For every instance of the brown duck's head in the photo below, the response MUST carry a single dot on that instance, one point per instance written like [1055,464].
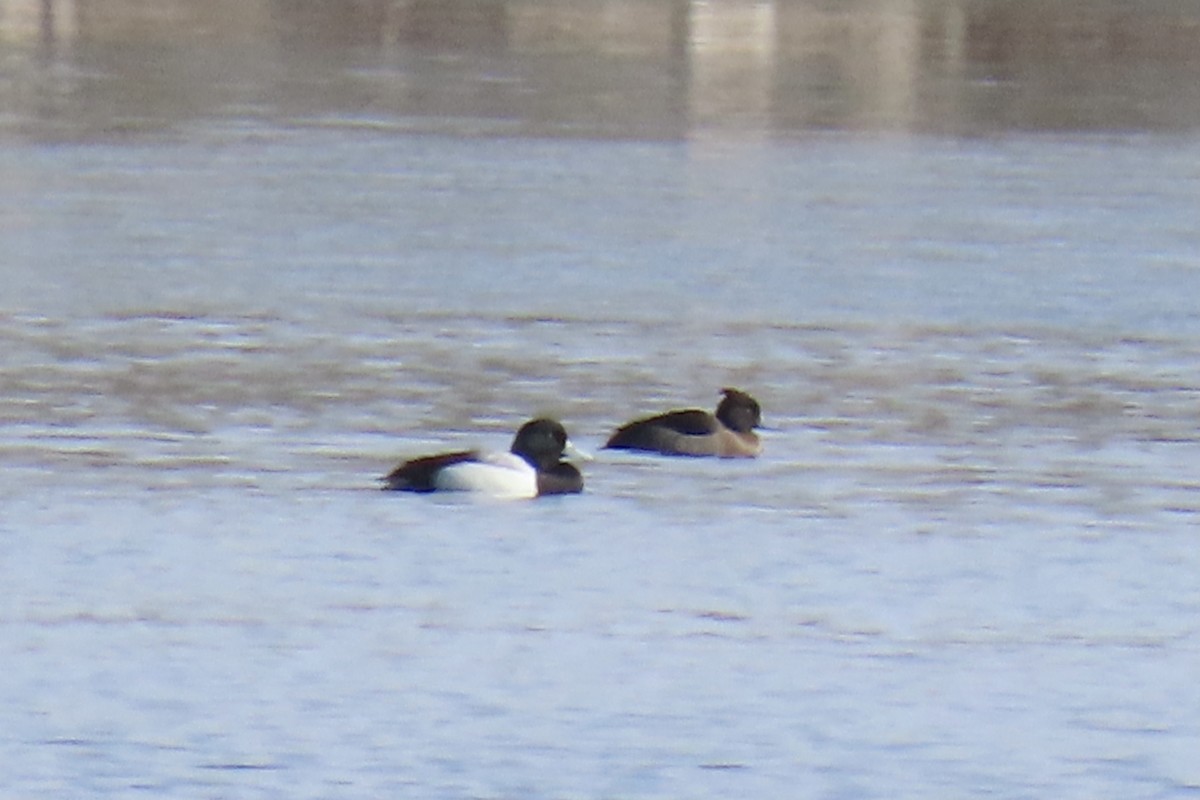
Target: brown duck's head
[739,411]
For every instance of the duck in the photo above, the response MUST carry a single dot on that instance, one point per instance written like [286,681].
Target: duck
[533,467]
[693,432]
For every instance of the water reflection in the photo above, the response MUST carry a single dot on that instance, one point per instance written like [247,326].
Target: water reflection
[643,68]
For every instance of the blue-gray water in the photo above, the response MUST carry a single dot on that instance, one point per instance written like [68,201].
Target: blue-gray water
[243,274]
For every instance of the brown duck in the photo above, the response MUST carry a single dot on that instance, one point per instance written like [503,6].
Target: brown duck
[694,432]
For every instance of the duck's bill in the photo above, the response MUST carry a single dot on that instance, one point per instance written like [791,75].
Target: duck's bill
[571,452]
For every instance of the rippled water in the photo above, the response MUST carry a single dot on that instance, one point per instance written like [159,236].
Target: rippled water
[965,565]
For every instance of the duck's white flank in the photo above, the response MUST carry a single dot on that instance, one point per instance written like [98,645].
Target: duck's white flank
[500,475]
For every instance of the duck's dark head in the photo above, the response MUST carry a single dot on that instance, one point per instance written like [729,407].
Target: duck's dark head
[541,442]
[739,411]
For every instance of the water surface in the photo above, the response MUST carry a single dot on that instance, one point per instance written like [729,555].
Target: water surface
[256,253]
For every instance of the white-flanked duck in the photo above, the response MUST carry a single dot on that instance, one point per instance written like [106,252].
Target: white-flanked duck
[533,467]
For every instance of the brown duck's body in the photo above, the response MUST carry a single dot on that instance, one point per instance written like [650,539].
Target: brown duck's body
[693,432]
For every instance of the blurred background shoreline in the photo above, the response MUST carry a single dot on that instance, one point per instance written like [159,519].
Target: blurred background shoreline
[655,69]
